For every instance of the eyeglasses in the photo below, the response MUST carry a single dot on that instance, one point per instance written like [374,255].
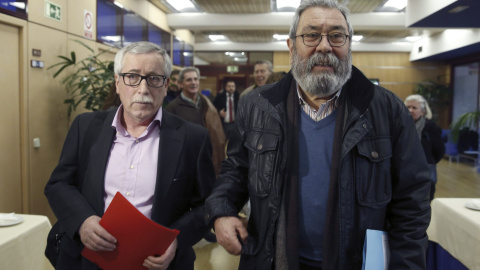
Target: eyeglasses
[334,39]
[134,79]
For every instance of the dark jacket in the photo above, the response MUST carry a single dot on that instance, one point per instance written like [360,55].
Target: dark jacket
[432,142]
[379,178]
[206,116]
[185,178]
[220,101]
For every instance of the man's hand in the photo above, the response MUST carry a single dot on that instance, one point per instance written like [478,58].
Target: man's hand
[222,113]
[162,262]
[226,230]
[95,237]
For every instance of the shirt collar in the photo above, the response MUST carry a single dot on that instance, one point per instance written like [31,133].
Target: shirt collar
[302,101]
[117,121]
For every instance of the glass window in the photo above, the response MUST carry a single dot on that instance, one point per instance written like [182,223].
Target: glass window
[14,8]
[109,20]
[158,36]
[188,55]
[177,51]
[134,29]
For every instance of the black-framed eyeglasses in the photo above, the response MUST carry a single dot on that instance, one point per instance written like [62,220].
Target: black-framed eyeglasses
[334,39]
[134,79]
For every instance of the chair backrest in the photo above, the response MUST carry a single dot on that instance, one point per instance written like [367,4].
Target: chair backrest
[451,148]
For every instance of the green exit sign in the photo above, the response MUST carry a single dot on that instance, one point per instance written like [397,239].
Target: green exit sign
[53,11]
[232,69]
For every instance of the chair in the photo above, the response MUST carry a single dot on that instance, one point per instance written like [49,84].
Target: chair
[451,149]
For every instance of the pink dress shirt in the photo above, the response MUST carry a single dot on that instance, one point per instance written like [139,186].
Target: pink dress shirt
[132,165]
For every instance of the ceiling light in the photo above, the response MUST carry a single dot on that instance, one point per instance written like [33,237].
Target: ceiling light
[280,37]
[413,38]
[458,9]
[398,4]
[17,5]
[181,4]
[118,4]
[216,37]
[240,59]
[357,37]
[287,3]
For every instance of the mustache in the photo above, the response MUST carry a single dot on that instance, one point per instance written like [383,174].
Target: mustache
[320,59]
[142,99]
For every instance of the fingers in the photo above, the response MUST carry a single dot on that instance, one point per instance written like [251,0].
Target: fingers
[228,230]
[95,237]
[162,262]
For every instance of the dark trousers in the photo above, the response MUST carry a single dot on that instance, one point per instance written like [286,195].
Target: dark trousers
[228,128]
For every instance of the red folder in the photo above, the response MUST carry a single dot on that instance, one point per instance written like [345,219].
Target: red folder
[137,237]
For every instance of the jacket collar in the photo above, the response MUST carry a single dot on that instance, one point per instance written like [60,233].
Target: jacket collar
[358,90]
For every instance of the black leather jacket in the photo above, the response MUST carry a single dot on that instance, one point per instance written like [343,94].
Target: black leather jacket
[383,178]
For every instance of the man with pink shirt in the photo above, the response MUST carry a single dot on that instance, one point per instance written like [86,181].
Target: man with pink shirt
[159,162]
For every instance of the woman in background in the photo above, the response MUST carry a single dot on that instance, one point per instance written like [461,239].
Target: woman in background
[429,133]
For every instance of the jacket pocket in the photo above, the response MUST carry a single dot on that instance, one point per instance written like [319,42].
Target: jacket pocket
[262,155]
[373,178]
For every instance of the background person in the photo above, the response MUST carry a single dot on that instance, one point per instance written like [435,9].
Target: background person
[261,71]
[226,103]
[159,162]
[429,133]
[323,155]
[173,88]
[195,107]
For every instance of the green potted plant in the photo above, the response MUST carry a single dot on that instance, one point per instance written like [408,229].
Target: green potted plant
[90,80]
[469,119]
[436,92]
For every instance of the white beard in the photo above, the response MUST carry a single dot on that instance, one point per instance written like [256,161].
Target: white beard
[326,83]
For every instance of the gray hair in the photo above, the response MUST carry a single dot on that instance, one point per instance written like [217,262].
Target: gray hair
[143,47]
[269,64]
[423,104]
[306,4]
[185,70]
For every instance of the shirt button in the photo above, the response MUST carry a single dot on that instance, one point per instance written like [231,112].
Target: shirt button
[128,193]
[136,141]
[374,154]
[364,126]
[131,166]
[259,147]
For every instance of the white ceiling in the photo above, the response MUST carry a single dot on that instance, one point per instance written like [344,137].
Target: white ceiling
[249,25]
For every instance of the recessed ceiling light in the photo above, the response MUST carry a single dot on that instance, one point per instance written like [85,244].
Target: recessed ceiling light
[280,37]
[287,3]
[181,4]
[398,4]
[357,37]
[458,9]
[216,37]
[413,38]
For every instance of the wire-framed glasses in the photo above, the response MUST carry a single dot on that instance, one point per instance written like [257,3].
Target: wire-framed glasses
[334,39]
[134,79]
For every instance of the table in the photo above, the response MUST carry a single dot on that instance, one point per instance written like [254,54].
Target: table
[456,229]
[22,245]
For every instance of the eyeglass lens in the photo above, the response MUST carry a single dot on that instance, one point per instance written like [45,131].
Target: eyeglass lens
[133,79]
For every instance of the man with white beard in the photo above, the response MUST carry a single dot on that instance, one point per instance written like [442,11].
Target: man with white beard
[323,155]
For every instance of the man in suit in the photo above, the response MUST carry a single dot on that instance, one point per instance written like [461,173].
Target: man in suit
[226,104]
[159,162]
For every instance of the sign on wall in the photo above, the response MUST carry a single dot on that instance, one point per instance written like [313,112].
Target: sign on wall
[53,11]
[88,24]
